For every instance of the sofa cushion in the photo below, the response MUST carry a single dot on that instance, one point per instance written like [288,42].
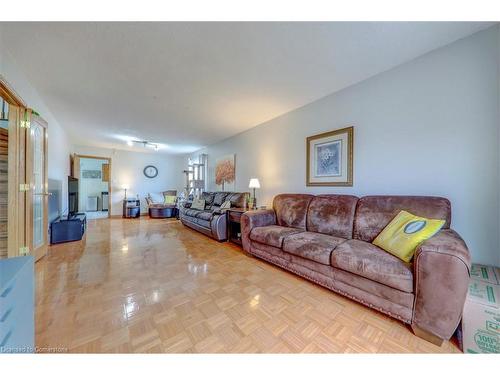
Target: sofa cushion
[220,197]
[291,209]
[404,233]
[200,221]
[367,260]
[205,215]
[272,235]
[373,213]
[332,214]
[191,212]
[198,204]
[170,199]
[237,199]
[209,198]
[314,246]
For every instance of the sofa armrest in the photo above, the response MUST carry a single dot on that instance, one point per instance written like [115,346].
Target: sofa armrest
[441,277]
[252,219]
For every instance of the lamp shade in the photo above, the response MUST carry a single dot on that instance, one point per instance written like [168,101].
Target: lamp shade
[254,183]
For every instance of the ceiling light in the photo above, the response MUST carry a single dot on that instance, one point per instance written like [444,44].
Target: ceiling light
[144,143]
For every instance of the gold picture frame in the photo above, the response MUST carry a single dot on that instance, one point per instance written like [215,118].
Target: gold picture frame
[329,158]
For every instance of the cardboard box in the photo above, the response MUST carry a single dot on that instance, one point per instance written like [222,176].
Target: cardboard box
[481,318]
[487,274]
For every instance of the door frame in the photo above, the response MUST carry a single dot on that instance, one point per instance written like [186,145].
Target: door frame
[76,167]
[40,252]
[19,114]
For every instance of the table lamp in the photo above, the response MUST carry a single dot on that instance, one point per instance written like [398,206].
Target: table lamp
[254,184]
[125,187]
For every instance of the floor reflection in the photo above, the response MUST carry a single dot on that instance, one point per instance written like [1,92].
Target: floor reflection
[143,285]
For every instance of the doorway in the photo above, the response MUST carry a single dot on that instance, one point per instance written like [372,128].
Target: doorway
[94,176]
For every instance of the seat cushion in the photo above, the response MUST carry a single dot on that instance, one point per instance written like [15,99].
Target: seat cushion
[191,212]
[367,260]
[272,235]
[205,215]
[314,246]
[203,223]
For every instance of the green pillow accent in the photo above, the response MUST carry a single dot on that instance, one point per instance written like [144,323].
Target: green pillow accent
[170,199]
[198,204]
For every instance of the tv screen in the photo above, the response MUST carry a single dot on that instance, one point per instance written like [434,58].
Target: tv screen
[72,196]
[55,199]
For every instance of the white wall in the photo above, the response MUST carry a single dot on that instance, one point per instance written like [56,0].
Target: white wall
[428,127]
[59,146]
[127,169]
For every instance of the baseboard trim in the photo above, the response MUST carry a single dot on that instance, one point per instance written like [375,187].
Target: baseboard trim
[121,216]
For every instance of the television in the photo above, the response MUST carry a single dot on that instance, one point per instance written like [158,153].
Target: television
[55,200]
[72,196]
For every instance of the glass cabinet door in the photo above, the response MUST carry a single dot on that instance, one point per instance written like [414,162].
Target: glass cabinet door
[37,175]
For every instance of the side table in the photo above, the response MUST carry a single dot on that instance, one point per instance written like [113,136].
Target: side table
[234,224]
[131,208]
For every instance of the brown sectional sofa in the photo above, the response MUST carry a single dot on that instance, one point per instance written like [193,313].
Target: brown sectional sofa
[211,221]
[327,239]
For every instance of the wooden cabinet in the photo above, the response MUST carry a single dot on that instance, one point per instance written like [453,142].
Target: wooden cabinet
[14,186]
[105,173]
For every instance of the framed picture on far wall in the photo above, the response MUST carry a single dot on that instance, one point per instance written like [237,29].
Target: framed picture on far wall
[329,158]
[225,172]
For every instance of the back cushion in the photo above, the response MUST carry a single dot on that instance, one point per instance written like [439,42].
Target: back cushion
[332,214]
[373,213]
[209,198]
[220,197]
[291,209]
[237,199]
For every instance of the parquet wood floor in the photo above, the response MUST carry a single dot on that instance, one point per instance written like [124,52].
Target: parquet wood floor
[142,285]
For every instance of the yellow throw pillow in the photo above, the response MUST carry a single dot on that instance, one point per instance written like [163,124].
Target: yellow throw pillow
[170,199]
[405,232]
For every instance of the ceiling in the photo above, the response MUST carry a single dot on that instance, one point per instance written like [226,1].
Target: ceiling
[186,85]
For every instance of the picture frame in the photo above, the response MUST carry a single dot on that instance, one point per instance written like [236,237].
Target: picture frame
[329,158]
[225,172]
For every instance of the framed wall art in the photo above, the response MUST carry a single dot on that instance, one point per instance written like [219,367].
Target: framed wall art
[329,158]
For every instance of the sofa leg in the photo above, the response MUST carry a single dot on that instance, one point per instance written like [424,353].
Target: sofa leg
[427,336]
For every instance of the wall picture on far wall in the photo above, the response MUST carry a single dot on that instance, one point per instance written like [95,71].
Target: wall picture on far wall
[91,174]
[225,172]
[329,158]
